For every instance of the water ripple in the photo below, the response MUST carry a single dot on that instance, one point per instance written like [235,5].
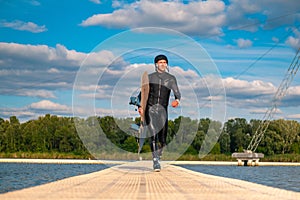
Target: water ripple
[284,177]
[15,176]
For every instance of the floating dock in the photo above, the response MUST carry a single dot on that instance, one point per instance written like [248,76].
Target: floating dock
[136,180]
[248,158]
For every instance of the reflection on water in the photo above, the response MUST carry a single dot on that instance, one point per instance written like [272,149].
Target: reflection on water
[284,177]
[14,176]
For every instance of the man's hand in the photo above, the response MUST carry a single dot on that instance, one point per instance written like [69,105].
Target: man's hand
[175,103]
[141,111]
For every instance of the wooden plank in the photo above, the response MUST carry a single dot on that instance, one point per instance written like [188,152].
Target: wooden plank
[136,180]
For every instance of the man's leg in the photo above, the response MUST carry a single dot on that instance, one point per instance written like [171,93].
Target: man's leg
[162,135]
[155,156]
[156,118]
[154,145]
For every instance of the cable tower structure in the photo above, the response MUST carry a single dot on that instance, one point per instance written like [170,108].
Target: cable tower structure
[280,93]
[249,157]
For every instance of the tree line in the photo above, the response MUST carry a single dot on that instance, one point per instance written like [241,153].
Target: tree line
[51,133]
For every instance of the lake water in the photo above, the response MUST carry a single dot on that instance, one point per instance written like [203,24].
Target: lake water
[284,177]
[14,176]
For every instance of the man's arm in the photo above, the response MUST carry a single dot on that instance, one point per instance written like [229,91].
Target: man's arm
[140,109]
[176,92]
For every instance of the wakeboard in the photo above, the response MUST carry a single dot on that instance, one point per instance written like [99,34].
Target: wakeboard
[140,131]
[143,104]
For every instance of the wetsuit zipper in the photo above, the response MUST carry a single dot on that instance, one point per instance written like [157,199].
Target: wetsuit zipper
[159,86]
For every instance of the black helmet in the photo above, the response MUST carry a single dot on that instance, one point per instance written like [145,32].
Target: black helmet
[160,57]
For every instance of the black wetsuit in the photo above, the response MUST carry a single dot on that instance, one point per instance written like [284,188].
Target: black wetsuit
[156,113]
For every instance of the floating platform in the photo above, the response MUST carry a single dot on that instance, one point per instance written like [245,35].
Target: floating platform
[136,180]
[248,158]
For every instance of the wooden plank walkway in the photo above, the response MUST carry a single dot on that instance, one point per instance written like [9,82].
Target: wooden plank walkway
[136,180]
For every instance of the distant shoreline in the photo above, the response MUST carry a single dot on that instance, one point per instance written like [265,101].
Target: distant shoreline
[117,162]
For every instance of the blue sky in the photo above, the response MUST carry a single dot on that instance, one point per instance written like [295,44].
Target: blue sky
[48,47]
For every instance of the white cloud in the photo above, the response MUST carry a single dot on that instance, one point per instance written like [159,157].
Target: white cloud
[292,97]
[48,105]
[263,111]
[280,12]
[200,18]
[294,90]
[236,12]
[275,39]
[36,109]
[255,95]
[42,56]
[24,26]
[196,18]
[34,3]
[294,41]
[186,73]
[243,43]
[294,116]
[35,93]
[236,86]
[248,94]
[19,112]
[240,93]
[247,14]
[116,4]
[258,111]
[29,68]
[96,1]
[53,70]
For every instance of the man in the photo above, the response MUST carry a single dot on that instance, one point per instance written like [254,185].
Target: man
[156,113]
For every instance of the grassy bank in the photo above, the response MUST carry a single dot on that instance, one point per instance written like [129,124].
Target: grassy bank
[52,155]
[282,158]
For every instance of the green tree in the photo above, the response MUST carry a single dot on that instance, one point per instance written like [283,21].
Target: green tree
[224,141]
[13,135]
[3,137]
[51,133]
[204,125]
[198,140]
[31,137]
[130,144]
[288,131]
[239,132]
[216,149]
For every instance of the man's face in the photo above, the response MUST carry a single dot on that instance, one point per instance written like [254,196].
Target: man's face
[162,65]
